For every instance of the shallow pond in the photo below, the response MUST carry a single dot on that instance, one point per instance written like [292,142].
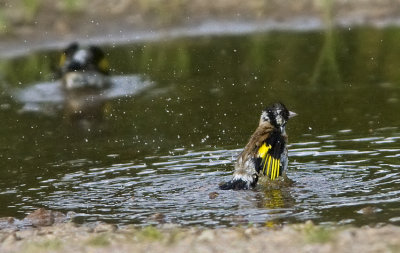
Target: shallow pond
[181,110]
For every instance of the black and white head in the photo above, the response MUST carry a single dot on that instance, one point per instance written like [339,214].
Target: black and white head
[83,58]
[277,115]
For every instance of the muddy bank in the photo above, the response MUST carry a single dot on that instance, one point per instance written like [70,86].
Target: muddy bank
[45,23]
[293,238]
[51,231]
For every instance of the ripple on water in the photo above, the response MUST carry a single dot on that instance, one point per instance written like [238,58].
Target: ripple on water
[332,183]
[48,97]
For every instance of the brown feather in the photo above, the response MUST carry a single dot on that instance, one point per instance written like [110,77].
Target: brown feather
[256,140]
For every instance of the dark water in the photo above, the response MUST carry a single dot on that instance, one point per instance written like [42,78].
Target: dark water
[181,110]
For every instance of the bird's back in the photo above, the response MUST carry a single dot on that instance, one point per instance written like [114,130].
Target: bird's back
[263,152]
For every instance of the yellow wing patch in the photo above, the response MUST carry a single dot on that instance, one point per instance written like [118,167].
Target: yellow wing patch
[263,150]
[270,165]
[62,60]
[103,65]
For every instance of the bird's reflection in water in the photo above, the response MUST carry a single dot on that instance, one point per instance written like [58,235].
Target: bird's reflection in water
[85,109]
[276,197]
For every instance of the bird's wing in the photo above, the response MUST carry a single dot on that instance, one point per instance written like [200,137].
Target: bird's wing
[268,165]
[269,155]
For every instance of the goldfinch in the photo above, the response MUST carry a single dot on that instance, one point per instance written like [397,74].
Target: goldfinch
[266,152]
[83,67]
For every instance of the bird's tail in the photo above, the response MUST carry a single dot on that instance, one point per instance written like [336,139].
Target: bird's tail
[235,184]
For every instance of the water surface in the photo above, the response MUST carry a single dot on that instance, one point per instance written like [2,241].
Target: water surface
[166,142]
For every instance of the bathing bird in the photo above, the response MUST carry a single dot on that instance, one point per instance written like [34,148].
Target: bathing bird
[83,67]
[84,74]
[266,153]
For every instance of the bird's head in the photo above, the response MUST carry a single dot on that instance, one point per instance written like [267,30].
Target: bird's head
[277,115]
[80,58]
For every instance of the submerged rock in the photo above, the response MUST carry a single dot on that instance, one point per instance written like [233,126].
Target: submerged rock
[7,222]
[158,217]
[369,210]
[43,217]
[39,218]
[213,195]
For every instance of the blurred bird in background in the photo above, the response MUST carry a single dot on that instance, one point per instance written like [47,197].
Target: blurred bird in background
[84,73]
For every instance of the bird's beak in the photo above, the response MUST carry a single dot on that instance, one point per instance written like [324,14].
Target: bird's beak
[292,114]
